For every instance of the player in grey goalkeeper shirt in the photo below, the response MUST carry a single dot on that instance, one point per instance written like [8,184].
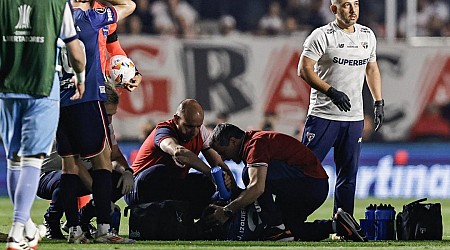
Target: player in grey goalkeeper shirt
[335,60]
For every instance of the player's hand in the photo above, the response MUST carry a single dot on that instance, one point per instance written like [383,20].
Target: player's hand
[79,89]
[127,182]
[340,99]
[378,111]
[218,216]
[133,83]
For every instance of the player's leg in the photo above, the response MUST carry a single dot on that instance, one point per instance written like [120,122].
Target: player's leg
[346,156]
[49,189]
[39,120]
[95,141]
[298,196]
[153,184]
[88,212]
[319,135]
[96,147]
[271,213]
[68,134]
[10,128]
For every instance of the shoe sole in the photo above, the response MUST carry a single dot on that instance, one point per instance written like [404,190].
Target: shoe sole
[274,238]
[350,224]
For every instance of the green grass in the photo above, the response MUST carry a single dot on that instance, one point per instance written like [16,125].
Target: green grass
[322,213]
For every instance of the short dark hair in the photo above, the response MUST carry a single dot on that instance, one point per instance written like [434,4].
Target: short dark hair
[223,132]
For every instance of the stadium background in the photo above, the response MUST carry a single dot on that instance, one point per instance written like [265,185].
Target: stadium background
[251,76]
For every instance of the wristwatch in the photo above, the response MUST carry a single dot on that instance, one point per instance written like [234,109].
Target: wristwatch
[228,213]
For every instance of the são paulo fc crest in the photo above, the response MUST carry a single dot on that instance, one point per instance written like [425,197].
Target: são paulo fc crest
[310,136]
[365,45]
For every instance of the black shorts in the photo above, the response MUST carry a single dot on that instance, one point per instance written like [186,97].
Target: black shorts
[83,130]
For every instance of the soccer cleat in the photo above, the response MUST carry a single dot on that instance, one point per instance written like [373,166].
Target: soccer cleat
[113,238]
[12,244]
[41,230]
[276,234]
[54,231]
[77,236]
[88,230]
[347,226]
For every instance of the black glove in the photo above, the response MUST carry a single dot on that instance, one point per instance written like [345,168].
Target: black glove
[379,114]
[340,99]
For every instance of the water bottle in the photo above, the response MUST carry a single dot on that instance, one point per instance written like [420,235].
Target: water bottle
[369,224]
[217,174]
[384,223]
[392,234]
[115,220]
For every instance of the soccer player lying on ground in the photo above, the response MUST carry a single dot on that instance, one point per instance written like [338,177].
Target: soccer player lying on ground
[286,179]
[49,182]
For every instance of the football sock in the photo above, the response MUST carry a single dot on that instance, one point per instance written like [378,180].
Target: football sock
[12,175]
[87,212]
[30,229]
[55,210]
[102,191]
[70,184]
[17,231]
[26,188]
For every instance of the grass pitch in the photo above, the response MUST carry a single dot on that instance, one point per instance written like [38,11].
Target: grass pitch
[322,213]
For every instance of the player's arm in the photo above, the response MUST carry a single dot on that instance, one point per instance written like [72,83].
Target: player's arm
[123,8]
[373,77]
[84,175]
[113,45]
[254,189]
[183,156]
[76,51]
[306,72]
[114,48]
[117,156]
[120,164]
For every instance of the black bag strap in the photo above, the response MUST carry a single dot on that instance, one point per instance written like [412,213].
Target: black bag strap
[417,201]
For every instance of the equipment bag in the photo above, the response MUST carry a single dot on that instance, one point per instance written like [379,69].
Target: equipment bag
[165,220]
[420,221]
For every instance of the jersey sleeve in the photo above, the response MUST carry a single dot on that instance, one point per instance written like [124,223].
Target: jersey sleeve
[315,45]
[113,46]
[162,133]
[258,153]
[68,32]
[100,17]
[373,52]
[205,135]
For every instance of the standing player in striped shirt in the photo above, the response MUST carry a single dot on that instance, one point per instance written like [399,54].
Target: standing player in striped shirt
[335,60]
